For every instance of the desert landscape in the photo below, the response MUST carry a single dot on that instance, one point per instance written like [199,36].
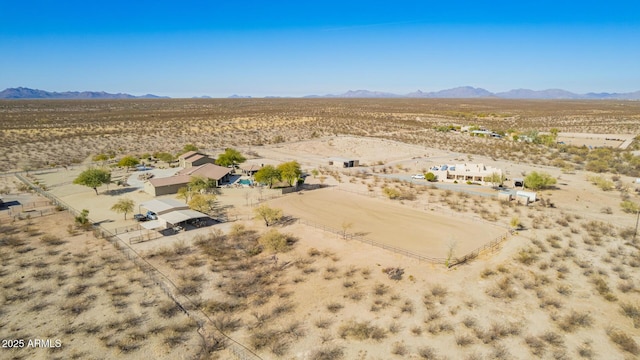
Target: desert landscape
[367,263]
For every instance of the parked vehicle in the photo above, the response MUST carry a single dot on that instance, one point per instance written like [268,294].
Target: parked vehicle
[418,176]
[140,217]
[151,215]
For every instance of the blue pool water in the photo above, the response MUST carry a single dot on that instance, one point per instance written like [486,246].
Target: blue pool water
[245,181]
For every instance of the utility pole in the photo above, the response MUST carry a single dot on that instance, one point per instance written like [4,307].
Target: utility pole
[637,218]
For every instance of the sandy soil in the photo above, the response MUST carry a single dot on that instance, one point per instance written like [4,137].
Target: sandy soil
[424,233]
[558,289]
[83,296]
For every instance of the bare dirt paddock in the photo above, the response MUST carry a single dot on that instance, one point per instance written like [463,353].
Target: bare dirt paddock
[426,233]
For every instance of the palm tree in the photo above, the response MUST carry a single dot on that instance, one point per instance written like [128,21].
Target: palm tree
[123,206]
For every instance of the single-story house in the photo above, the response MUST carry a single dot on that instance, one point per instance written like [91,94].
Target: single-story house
[477,173]
[343,162]
[171,184]
[194,158]
[210,171]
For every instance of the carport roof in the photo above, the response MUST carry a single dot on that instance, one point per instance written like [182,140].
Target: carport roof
[159,206]
[153,224]
[178,216]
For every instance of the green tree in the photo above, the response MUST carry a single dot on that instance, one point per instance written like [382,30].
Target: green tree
[391,193]
[100,157]
[200,183]
[128,161]
[93,178]
[431,177]
[539,180]
[268,214]
[205,203]
[230,157]
[123,206]
[495,179]
[184,193]
[629,207]
[164,156]
[290,171]
[275,241]
[82,220]
[186,149]
[267,175]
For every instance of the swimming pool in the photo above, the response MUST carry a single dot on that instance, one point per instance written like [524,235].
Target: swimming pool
[245,181]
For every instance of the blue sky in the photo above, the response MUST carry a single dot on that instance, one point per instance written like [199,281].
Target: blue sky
[296,48]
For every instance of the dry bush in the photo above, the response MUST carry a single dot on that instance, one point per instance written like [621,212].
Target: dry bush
[624,341]
[536,345]
[575,320]
[334,307]
[428,353]
[361,331]
[631,311]
[399,348]
[327,353]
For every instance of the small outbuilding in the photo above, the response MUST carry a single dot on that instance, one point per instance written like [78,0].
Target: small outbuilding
[518,182]
[194,158]
[505,196]
[343,162]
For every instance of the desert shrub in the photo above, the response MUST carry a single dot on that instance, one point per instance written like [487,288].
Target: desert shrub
[632,311]
[361,331]
[261,338]
[464,340]
[399,348]
[552,338]
[327,353]
[267,214]
[275,241]
[51,240]
[323,323]
[392,193]
[536,345]
[428,353]
[575,320]
[226,323]
[603,288]
[539,181]
[601,182]
[380,289]
[624,341]
[334,307]
[629,207]
[527,256]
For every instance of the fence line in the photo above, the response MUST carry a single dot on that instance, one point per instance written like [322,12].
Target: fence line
[440,261]
[185,303]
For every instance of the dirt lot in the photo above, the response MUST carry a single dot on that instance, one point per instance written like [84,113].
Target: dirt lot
[426,233]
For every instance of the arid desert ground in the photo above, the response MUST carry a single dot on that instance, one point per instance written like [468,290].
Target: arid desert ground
[562,284]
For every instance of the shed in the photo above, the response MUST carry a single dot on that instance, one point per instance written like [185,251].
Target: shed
[530,194]
[522,199]
[343,162]
[505,196]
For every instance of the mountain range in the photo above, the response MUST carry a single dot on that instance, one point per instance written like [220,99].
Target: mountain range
[463,92]
[26,93]
[468,92]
